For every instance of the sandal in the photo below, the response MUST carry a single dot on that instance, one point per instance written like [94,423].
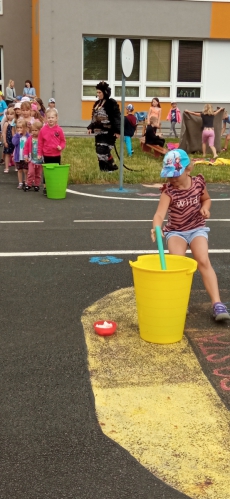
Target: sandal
[6,171]
[224,149]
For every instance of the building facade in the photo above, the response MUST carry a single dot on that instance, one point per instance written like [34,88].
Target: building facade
[180,52]
[15,43]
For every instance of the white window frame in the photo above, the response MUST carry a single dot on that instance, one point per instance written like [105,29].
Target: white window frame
[143,83]
[1,7]
[149,83]
[187,84]
[92,83]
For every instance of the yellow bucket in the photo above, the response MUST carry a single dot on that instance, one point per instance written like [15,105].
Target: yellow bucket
[162,296]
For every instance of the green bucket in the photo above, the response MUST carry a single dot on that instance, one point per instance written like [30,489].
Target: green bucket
[56,180]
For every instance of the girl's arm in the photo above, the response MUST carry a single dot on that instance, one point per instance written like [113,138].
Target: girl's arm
[4,133]
[8,96]
[26,149]
[178,116]
[205,204]
[192,112]
[169,116]
[159,117]
[40,145]
[223,128]
[160,214]
[4,106]
[148,116]
[62,144]
[16,139]
[218,111]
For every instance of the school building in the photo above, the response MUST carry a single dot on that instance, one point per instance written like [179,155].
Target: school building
[181,51]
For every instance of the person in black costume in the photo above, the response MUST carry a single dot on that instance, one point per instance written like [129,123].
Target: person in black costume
[150,135]
[105,124]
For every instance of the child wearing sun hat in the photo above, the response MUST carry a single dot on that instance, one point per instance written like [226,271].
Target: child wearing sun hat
[130,123]
[187,202]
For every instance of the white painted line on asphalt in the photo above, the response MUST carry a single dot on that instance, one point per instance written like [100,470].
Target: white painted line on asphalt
[21,221]
[127,221]
[123,198]
[109,197]
[92,253]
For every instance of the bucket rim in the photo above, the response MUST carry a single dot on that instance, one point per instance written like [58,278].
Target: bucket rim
[188,270]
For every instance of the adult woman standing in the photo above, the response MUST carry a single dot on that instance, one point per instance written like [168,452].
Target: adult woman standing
[29,90]
[10,93]
[105,124]
[208,134]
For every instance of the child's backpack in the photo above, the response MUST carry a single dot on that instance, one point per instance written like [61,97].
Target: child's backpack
[141,116]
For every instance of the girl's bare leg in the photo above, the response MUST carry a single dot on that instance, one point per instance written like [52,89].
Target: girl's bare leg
[25,173]
[20,176]
[226,141]
[177,246]
[7,162]
[199,247]
[213,151]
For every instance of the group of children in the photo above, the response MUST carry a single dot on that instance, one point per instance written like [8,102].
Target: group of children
[174,116]
[152,135]
[31,137]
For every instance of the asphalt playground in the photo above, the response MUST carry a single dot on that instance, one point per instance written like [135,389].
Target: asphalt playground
[85,417]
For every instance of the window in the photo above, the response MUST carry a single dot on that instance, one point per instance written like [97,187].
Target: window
[1,7]
[95,58]
[136,66]
[158,91]
[159,60]
[167,69]
[129,91]
[89,90]
[190,61]
[191,92]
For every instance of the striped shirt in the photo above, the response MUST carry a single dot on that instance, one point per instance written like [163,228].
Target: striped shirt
[184,208]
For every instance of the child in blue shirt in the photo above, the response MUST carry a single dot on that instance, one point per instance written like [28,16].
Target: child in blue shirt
[3,106]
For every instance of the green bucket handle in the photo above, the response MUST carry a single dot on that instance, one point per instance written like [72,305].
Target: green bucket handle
[50,166]
[160,247]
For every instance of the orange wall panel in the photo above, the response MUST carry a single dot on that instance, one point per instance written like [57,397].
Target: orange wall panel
[35,47]
[220,20]
[138,106]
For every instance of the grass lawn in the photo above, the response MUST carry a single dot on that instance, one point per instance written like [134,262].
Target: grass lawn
[80,154]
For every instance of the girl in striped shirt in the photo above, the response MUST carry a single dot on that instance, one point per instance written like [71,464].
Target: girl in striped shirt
[188,203]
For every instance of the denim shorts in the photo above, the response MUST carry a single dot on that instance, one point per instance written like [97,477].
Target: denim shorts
[188,235]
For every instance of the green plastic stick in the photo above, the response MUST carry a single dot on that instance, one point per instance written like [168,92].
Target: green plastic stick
[160,247]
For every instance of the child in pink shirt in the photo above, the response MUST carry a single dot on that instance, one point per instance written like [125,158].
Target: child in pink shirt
[31,157]
[51,140]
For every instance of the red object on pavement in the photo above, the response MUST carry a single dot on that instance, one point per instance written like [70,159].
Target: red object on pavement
[105,331]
